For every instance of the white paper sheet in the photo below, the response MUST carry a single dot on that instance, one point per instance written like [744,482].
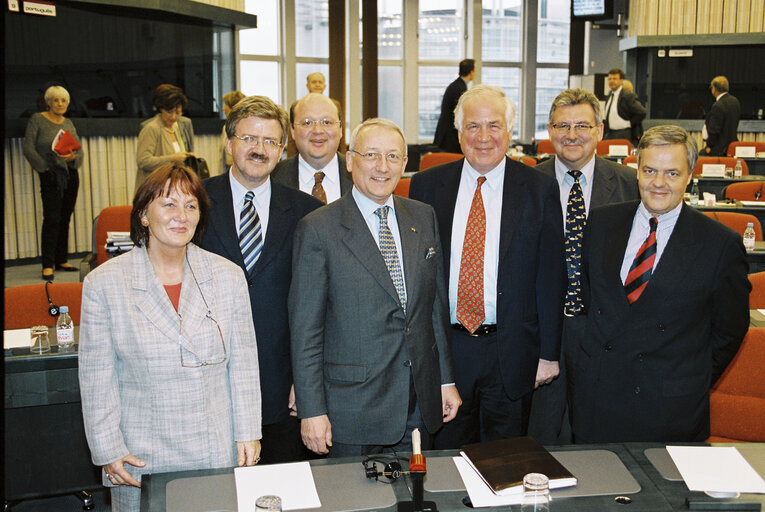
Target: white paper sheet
[481,494]
[716,468]
[293,483]
[17,338]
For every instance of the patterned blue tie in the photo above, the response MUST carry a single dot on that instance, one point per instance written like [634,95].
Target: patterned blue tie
[390,255]
[576,218]
[250,234]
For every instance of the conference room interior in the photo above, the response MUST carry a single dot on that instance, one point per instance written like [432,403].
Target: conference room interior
[532,49]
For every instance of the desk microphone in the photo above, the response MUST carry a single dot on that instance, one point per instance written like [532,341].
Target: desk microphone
[52,308]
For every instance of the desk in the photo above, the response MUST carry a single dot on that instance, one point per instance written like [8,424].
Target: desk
[717,185]
[755,165]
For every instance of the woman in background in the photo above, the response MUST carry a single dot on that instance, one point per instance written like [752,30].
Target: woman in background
[229,100]
[166,137]
[59,179]
[168,360]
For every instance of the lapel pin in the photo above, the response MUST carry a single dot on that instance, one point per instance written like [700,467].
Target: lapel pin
[413,230]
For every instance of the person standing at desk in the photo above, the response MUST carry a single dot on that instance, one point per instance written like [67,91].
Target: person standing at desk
[446,133]
[623,111]
[666,303]
[721,124]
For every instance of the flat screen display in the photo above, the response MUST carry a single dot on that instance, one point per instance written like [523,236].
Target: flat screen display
[590,8]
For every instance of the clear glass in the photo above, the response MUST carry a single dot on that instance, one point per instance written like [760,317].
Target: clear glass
[268,502]
[303,69]
[553,23]
[390,29]
[509,80]
[263,40]
[390,94]
[501,30]
[260,77]
[433,82]
[441,29]
[312,28]
[550,83]
[536,493]
[38,340]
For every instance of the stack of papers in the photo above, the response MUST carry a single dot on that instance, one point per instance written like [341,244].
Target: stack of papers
[716,469]
[293,483]
[118,242]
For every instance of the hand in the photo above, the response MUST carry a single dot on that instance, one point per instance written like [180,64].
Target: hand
[451,401]
[117,473]
[708,150]
[247,453]
[292,404]
[69,157]
[547,371]
[316,433]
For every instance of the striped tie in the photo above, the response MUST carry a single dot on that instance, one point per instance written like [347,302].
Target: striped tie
[390,255]
[642,265]
[576,217]
[250,235]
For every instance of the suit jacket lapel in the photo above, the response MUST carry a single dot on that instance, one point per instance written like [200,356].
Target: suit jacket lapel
[613,254]
[222,223]
[445,207]
[278,223]
[513,203]
[346,183]
[191,305]
[602,185]
[409,230]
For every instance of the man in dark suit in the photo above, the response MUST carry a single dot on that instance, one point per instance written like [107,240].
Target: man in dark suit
[256,130]
[667,305]
[370,352]
[502,236]
[446,132]
[623,110]
[721,125]
[586,181]
[318,169]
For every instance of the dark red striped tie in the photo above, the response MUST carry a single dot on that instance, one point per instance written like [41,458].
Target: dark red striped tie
[642,265]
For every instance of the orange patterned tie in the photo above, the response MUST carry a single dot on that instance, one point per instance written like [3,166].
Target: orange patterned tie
[470,310]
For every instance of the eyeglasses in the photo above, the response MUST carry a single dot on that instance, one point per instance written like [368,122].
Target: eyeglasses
[199,362]
[579,128]
[251,140]
[372,156]
[310,123]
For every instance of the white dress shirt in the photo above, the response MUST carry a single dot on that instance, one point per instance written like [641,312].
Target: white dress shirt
[491,192]
[331,182]
[261,201]
[640,230]
[614,121]
[566,181]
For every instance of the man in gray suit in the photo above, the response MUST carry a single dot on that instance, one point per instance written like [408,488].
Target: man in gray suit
[318,169]
[575,128]
[368,311]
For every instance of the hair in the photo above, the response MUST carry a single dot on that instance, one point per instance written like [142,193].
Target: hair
[484,90]
[571,97]
[668,135]
[376,121]
[55,91]
[720,83]
[308,77]
[308,96]
[617,71]
[168,97]
[232,98]
[257,106]
[162,180]
[466,66]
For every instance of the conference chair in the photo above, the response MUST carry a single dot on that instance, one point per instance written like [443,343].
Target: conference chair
[737,399]
[402,189]
[545,147]
[631,159]
[528,160]
[759,146]
[727,160]
[746,191]
[111,218]
[603,147]
[737,222]
[431,159]
[27,305]
[757,295]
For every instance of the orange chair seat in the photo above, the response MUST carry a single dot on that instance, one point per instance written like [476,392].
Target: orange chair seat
[27,305]
[759,147]
[430,159]
[602,147]
[757,295]
[737,222]
[111,218]
[402,189]
[746,191]
[728,161]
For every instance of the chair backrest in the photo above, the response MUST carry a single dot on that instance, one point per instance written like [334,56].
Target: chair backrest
[746,191]
[111,218]
[545,147]
[431,159]
[759,146]
[402,189]
[602,147]
[27,305]
[631,159]
[757,295]
[728,161]
[737,222]
[528,160]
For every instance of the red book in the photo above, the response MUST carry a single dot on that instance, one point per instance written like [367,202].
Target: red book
[64,143]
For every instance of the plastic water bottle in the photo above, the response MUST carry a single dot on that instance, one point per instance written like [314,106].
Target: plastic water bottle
[749,237]
[695,192]
[739,170]
[64,329]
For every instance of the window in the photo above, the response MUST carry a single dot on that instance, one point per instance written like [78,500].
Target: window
[259,51]
[441,29]
[433,82]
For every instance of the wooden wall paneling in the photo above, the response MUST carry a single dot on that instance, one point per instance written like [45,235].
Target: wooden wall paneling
[702,16]
[729,16]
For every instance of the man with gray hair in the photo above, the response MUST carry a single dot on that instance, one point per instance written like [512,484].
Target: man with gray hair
[502,235]
[586,181]
[667,306]
[721,125]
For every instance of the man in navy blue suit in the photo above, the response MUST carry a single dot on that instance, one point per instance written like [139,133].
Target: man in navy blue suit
[257,131]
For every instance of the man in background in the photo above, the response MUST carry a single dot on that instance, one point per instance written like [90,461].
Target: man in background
[315,83]
[721,123]
[623,111]
[446,133]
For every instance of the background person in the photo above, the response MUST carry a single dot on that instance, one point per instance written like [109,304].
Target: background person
[721,125]
[59,179]
[229,100]
[446,133]
[168,362]
[624,113]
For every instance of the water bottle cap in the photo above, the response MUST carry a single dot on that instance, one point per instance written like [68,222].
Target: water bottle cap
[748,224]
[63,309]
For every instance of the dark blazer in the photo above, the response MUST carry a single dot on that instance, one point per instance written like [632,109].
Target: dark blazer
[269,285]
[722,124]
[352,345]
[611,182]
[643,372]
[628,107]
[446,134]
[531,279]
[286,173]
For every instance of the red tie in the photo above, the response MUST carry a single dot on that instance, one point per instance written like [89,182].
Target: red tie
[642,265]
[470,310]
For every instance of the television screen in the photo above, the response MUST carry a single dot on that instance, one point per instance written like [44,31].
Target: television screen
[590,8]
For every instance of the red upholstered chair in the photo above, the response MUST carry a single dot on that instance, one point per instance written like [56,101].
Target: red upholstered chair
[27,305]
[602,147]
[737,399]
[528,160]
[737,222]
[111,218]
[431,159]
[402,189]
[757,295]
[746,191]
[545,147]
[728,161]
[759,146]
[631,159]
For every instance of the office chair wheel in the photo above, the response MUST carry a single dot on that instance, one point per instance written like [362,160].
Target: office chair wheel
[88,503]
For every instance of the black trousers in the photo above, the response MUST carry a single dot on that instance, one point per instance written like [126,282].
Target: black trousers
[281,443]
[57,213]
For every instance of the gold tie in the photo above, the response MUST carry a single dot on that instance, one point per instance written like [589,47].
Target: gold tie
[318,191]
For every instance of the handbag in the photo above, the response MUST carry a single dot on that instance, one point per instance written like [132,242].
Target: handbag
[198,165]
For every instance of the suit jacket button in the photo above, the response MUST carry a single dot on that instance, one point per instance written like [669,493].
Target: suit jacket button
[407,363]
[661,327]
[406,330]
[637,390]
[608,347]
[599,311]
[640,357]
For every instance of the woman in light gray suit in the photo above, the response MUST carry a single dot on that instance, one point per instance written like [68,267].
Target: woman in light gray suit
[168,362]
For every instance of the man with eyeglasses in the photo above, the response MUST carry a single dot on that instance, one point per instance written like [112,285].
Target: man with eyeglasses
[624,112]
[503,255]
[586,181]
[667,305]
[368,311]
[252,219]
[318,169]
